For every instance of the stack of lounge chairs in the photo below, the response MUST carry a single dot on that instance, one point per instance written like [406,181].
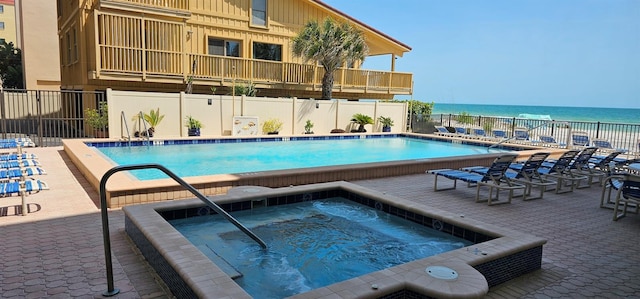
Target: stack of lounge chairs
[18,171]
[493,178]
[561,175]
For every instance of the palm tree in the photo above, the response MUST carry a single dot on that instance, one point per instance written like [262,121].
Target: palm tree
[362,120]
[332,45]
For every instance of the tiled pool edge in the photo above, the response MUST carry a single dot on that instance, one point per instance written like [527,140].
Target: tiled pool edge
[123,190]
[210,282]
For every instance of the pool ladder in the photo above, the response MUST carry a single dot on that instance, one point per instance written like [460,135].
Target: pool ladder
[111,291]
[124,125]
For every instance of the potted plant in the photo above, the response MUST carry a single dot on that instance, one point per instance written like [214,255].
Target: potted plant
[153,118]
[308,126]
[386,122]
[98,119]
[194,126]
[361,120]
[272,126]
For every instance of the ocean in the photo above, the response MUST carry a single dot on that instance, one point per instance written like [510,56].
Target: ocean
[588,114]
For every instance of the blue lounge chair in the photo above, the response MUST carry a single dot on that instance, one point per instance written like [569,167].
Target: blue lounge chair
[525,173]
[22,188]
[17,173]
[558,170]
[461,132]
[18,164]
[494,178]
[550,141]
[479,133]
[580,139]
[16,157]
[628,195]
[521,135]
[605,146]
[16,144]
[581,166]
[442,131]
[499,134]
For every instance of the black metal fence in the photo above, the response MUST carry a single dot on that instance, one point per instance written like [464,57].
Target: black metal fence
[621,136]
[46,117]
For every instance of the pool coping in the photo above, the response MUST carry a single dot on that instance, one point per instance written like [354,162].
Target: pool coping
[206,279]
[122,189]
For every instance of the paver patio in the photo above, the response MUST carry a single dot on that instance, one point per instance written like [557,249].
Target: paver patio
[56,251]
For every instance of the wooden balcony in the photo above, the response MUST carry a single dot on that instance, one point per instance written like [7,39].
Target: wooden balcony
[138,65]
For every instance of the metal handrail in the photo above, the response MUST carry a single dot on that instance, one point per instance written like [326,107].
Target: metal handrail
[146,130]
[111,291]
[123,124]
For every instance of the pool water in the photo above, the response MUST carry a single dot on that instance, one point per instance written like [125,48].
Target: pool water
[228,158]
[311,244]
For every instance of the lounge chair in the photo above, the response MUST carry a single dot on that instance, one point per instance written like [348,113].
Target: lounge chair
[550,141]
[17,173]
[22,188]
[627,195]
[581,166]
[16,157]
[19,164]
[478,133]
[559,171]
[499,134]
[525,173]
[494,178]
[16,144]
[442,131]
[461,132]
[580,139]
[521,135]
[605,146]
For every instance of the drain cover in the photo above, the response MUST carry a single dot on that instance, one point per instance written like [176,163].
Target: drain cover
[441,272]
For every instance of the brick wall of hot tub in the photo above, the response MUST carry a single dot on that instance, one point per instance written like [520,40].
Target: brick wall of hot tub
[496,271]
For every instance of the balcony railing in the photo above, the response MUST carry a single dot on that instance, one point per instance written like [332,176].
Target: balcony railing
[205,68]
[164,4]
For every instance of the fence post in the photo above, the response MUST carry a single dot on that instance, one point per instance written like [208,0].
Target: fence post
[598,130]
[39,107]
[3,119]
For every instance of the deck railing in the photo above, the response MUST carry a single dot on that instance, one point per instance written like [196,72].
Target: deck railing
[621,136]
[144,62]
[166,4]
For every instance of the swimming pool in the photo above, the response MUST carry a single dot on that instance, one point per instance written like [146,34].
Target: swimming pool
[311,244]
[124,189]
[267,154]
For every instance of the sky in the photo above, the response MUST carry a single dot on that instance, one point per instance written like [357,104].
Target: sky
[583,53]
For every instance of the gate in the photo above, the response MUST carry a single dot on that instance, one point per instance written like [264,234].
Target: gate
[44,116]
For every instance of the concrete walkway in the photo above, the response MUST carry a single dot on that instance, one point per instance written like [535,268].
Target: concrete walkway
[56,251]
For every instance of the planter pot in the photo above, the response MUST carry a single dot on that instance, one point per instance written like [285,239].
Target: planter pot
[194,132]
[272,133]
[386,129]
[102,134]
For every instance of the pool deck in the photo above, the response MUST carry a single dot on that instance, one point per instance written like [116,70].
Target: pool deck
[56,250]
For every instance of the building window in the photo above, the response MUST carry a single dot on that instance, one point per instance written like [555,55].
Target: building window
[1,8]
[259,12]
[68,52]
[267,51]
[75,45]
[2,41]
[1,25]
[224,47]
